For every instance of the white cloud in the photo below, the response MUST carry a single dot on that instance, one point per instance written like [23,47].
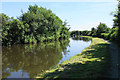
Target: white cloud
[58,0]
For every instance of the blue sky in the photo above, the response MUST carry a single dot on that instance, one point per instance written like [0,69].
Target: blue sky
[80,15]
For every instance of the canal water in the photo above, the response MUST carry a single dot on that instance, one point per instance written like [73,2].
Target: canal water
[26,61]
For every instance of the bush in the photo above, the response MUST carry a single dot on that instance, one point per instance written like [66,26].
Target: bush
[36,25]
[113,34]
[105,36]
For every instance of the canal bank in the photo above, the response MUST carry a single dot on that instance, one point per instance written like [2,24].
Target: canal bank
[92,62]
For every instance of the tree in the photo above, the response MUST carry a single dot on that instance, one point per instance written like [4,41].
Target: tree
[37,24]
[102,28]
[93,32]
[117,22]
[6,22]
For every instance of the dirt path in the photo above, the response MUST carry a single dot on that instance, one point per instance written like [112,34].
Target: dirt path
[113,60]
[113,70]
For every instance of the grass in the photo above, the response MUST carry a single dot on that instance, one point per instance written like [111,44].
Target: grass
[92,62]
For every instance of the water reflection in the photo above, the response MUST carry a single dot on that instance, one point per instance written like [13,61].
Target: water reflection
[82,38]
[24,61]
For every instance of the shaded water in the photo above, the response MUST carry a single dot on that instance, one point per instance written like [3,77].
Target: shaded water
[26,61]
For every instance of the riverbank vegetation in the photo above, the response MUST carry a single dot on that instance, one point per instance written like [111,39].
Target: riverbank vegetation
[92,62]
[36,25]
[39,24]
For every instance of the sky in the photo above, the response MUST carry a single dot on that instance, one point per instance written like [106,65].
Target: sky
[80,14]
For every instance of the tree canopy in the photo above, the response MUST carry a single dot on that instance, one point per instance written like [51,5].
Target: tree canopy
[117,23]
[102,28]
[36,25]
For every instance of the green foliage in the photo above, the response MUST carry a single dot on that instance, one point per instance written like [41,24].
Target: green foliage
[101,31]
[116,35]
[36,25]
[93,32]
[113,34]
[105,36]
[102,28]
[81,33]
[85,33]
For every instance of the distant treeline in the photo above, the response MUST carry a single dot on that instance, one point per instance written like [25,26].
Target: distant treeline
[102,31]
[36,25]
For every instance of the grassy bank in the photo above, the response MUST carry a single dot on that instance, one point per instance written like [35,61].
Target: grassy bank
[92,62]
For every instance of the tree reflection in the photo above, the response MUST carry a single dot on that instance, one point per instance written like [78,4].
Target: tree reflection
[82,38]
[32,58]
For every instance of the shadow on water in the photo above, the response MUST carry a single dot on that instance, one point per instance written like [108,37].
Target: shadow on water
[25,61]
